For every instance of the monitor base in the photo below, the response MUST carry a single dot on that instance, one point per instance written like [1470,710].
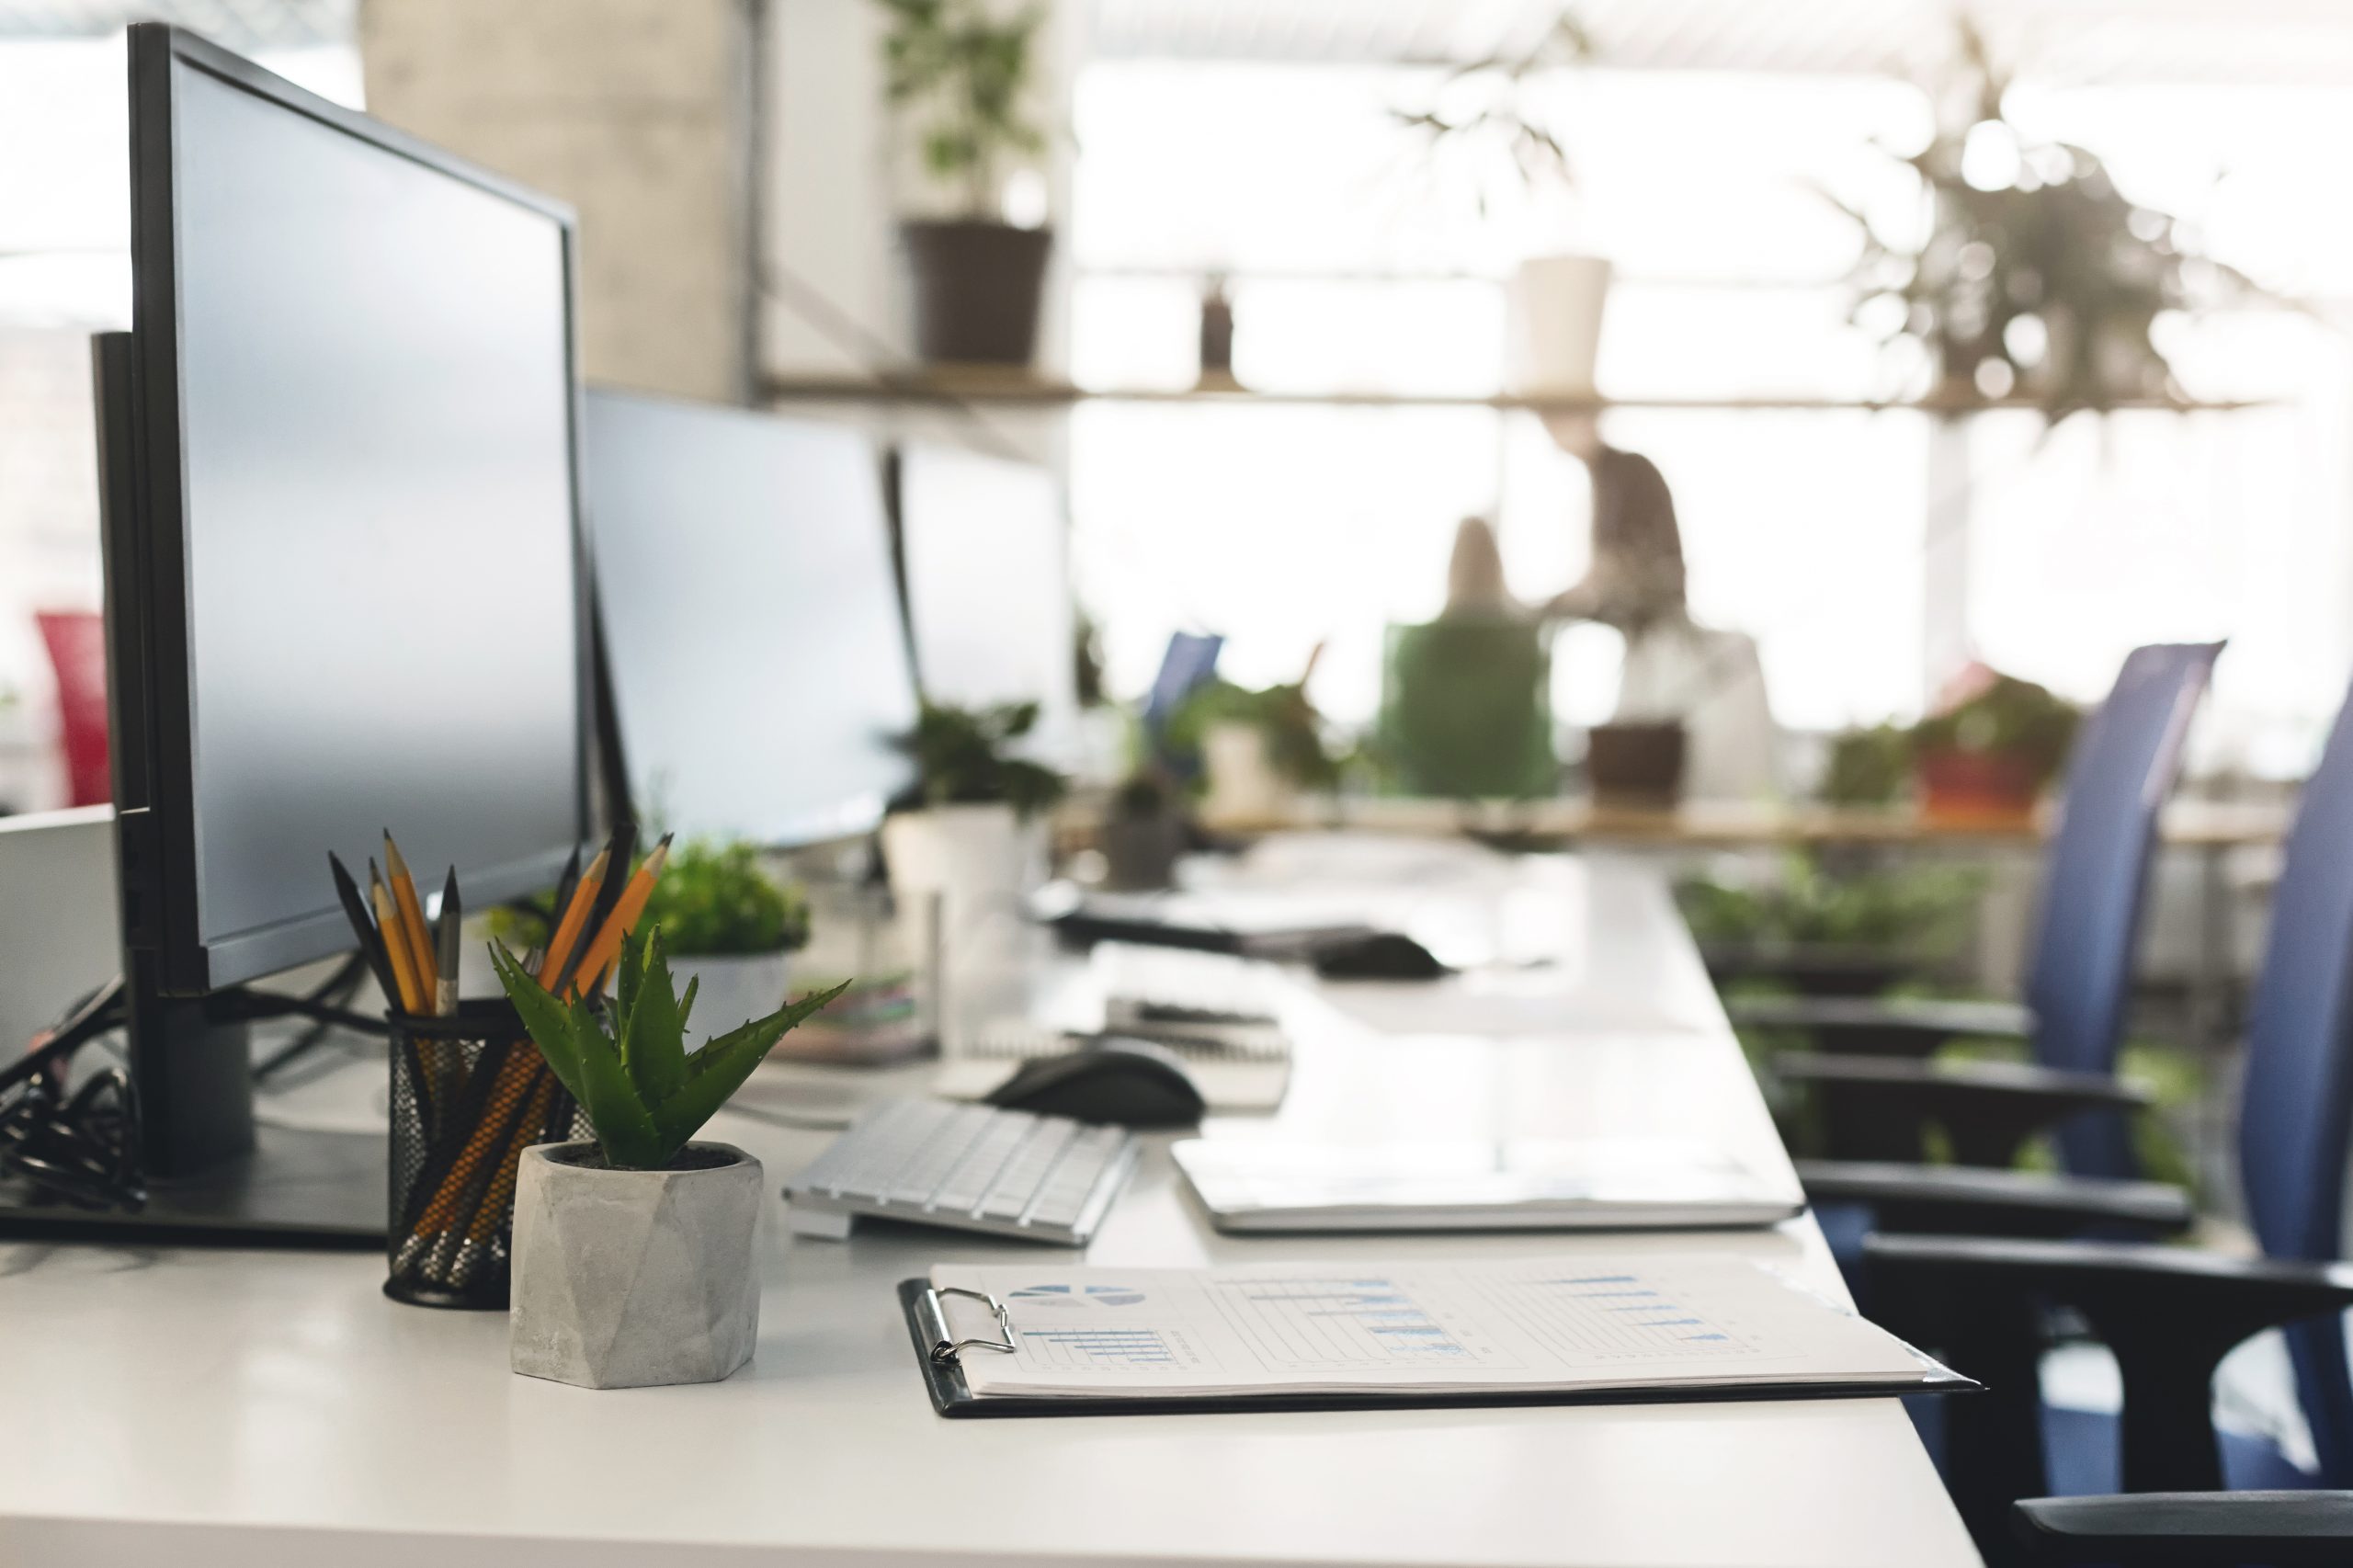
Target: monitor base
[310,1190]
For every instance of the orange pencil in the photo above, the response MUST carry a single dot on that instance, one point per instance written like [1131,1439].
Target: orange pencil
[420,938]
[575,917]
[607,945]
[388,922]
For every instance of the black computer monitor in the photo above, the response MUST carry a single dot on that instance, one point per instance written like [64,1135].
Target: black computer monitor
[753,646]
[984,553]
[346,589]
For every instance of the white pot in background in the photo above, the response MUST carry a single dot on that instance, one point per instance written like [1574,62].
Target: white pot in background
[960,876]
[628,1278]
[1242,784]
[1552,333]
[732,988]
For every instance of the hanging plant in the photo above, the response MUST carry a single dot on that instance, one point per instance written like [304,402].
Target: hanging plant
[2039,282]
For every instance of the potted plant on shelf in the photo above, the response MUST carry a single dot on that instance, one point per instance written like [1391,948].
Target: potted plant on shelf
[1484,129]
[2038,279]
[974,834]
[958,75]
[1259,749]
[1992,747]
[633,1252]
[731,926]
[1143,831]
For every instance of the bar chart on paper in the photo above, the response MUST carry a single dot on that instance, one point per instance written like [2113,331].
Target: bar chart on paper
[1586,1317]
[1347,1321]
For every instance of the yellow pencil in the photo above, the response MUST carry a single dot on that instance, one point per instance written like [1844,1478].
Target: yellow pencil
[388,922]
[420,938]
[575,917]
[601,952]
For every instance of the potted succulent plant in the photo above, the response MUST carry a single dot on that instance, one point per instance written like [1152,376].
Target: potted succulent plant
[974,835]
[1485,131]
[633,1253]
[958,75]
[731,926]
[2038,279]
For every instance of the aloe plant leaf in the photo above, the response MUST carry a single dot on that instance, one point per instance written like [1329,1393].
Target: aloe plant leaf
[687,1002]
[586,1061]
[653,1033]
[550,1023]
[719,1069]
[630,974]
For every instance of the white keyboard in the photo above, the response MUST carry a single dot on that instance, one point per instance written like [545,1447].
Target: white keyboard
[967,1167]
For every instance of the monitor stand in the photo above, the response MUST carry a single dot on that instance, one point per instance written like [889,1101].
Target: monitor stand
[215,1176]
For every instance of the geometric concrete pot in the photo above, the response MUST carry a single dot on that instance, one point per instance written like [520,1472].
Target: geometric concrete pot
[626,1279]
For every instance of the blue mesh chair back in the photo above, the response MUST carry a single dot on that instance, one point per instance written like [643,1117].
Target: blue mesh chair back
[2124,764]
[2298,1096]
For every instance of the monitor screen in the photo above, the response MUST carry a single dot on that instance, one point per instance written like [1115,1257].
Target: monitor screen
[983,545]
[362,354]
[752,634]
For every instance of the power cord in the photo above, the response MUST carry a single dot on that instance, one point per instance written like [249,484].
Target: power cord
[82,1146]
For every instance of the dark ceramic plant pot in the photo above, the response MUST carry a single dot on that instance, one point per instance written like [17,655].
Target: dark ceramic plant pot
[1635,765]
[1976,787]
[976,288]
[1141,852]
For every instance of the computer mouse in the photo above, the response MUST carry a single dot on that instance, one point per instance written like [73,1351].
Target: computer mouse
[1129,1082]
[1383,955]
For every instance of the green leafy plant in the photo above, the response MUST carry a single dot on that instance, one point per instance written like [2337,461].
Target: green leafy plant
[2038,278]
[716,900]
[1866,767]
[959,72]
[963,758]
[1925,911]
[627,1064]
[1282,714]
[2006,716]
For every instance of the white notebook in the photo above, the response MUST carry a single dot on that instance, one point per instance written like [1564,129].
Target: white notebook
[1254,1184]
[1559,1325]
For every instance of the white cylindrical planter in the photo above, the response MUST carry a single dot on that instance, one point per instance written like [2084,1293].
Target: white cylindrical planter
[959,875]
[1552,335]
[1244,788]
[628,1278]
[731,988]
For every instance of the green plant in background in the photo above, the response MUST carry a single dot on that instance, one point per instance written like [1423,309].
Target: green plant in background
[962,758]
[2174,1077]
[2010,718]
[716,900]
[644,1094]
[1922,910]
[1292,729]
[959,72]
[2038,278]
[1866,767]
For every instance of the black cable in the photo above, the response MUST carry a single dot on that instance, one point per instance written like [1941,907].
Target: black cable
[82,1147]
[324,1004]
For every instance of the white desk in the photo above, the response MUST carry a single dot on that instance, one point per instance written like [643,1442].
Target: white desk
[249,1410]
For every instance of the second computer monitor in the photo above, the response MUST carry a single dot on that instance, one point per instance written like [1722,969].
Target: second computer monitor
[983,550]
[751,625]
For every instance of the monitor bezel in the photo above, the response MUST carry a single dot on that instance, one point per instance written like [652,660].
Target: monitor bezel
[156,764]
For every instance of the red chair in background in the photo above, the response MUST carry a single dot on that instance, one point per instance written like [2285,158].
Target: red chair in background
[76,639]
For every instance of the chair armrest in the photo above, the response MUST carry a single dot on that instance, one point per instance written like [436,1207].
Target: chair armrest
[2168,1314]
[1873,1107]
[1878,1026]
[2288,1529]
[1963,1200]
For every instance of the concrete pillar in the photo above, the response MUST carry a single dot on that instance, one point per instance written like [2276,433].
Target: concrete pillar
[641,113]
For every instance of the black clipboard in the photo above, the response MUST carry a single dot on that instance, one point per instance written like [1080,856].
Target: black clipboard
[943,1375]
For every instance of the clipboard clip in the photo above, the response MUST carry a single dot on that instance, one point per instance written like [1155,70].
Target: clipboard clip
[944,1346]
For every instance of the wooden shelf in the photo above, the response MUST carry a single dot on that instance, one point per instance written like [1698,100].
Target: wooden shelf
[1012,388]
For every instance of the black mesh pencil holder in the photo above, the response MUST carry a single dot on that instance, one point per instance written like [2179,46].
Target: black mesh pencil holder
[470,1094]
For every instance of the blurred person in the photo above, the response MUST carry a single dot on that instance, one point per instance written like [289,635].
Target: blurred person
[1708,679]
[1474,577]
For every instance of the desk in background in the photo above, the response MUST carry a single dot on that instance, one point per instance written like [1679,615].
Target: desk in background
[264,1409]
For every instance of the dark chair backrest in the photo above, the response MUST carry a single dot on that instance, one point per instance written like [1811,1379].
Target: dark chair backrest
[2297,1100]
[2088,931]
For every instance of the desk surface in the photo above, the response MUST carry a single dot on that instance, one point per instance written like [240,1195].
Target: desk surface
[1725,825]
[260,1409]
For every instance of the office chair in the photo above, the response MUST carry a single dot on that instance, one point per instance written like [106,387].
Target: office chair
[76,640]
[1466,709]
[2170,1315]
[1877,1093]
